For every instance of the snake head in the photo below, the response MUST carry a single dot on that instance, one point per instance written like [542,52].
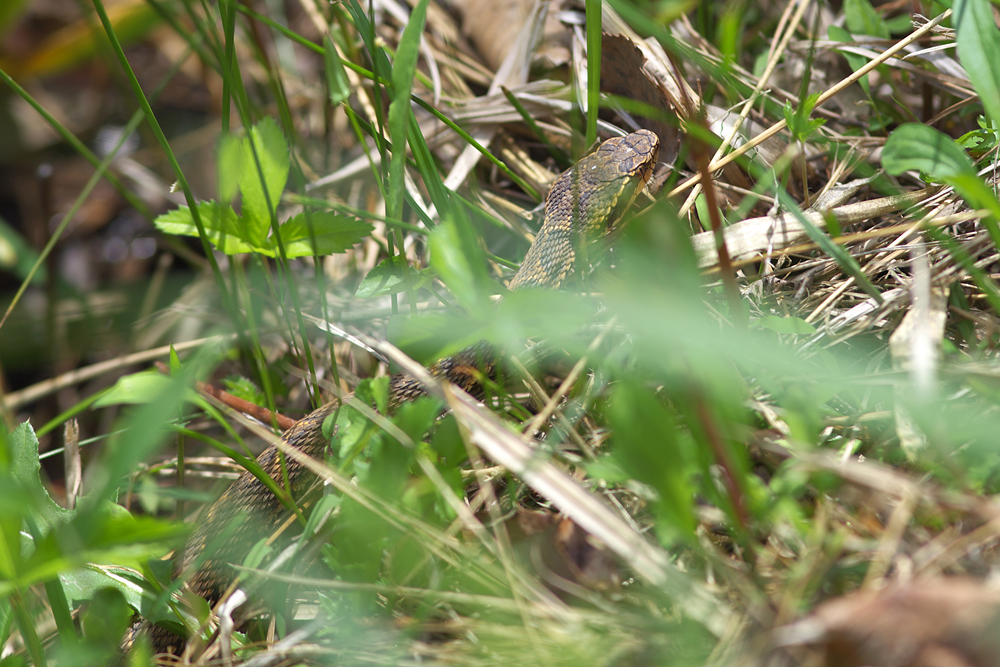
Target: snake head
[585,203]
[596,191]
[628,165]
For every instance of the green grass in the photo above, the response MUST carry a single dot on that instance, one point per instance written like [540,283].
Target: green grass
[745,446]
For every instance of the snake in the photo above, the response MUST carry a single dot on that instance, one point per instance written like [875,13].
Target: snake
[584,203]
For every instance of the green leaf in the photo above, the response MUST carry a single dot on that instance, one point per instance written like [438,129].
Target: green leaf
[54,540]
[81,584]
[917,147]
[854,60]
[223,228]
[388,277]
[105,620]
[458,259]
[230,148]
[324,233]
[648,446]
[175,361]
[404,70]
[134,389]
[262,189]
[138,432]
[799,123]
[17,256]
[434,335]
[26,470]
[243,387]
[785,325]
[979,50]
[336,76]
[978,142]
[862,19]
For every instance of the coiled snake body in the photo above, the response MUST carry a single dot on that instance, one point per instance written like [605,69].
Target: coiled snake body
[584,202]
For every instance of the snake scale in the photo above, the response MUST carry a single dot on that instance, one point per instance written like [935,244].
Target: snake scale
[584,203]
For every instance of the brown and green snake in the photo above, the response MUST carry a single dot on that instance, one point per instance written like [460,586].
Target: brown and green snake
[584,203]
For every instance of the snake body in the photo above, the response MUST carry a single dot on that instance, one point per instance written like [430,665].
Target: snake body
[585,202]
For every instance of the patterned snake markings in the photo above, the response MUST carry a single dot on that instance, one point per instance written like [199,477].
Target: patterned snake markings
[584,203]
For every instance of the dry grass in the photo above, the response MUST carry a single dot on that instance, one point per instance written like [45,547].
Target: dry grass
[730,433]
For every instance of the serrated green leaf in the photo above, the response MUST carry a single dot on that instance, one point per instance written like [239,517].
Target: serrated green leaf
[26,470]
[323,233]
[979,50]
[243,387]
[262,189]
[224,229]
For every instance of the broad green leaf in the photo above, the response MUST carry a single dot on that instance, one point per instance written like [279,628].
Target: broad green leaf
[134,389]
[139,431]
[262,189]
[416,417]
[854,60]
[785,325]
[539,313]
[230,150]
[404,71]
[389,278]
[917,147]
[647,445]
[336,76]
[223,228]
[433,336]
[862,19]
[103,622]
[323,233]
[81,584]
[979,50]
[55,540]
[458,259]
